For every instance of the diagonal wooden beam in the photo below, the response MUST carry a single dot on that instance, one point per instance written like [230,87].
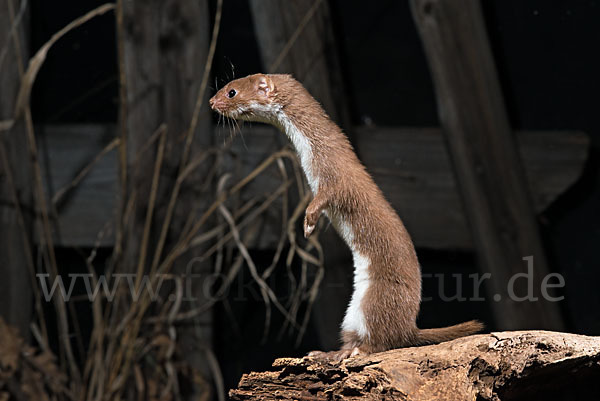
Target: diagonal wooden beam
[484,155]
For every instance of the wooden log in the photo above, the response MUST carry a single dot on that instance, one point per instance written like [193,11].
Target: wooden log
[490,175]
[411,165]
[16,192]
[498,366]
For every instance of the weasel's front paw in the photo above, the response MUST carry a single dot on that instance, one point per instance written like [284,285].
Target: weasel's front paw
[308,227]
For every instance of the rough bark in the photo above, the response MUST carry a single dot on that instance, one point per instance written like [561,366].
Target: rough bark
[497,366]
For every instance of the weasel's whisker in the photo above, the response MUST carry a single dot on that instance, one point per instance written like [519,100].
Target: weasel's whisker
[219,118]
[230,125]
[241,135]
[232,132]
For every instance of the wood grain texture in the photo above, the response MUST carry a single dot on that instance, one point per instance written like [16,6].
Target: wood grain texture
[165,50]
[86,214]
[485,158]
[16,232]
[516,365]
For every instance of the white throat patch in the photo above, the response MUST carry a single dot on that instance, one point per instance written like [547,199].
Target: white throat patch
[273,114]
[303,148]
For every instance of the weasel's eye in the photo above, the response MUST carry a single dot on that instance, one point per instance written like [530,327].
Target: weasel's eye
[231,93]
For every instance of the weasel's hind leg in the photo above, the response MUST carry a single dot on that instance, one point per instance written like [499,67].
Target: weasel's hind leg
[334,356]
[352,346]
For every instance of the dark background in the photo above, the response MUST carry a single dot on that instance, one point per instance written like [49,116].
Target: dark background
[546,53]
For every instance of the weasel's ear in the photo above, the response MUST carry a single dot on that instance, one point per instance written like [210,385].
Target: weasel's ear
[265,85]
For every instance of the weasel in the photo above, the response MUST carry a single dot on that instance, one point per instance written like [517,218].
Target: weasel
[383,309]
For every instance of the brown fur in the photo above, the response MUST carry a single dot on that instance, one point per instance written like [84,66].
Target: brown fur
[346,191]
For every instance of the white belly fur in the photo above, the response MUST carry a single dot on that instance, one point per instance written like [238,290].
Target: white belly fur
[354,319]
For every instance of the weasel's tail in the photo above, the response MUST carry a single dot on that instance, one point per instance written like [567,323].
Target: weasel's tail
[434,336]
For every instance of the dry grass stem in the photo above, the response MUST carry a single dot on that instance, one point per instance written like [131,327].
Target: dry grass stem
[27,82]
[190,134]
[12,32]
[151,203]
[290,43]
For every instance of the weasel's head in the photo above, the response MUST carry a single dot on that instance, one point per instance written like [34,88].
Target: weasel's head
[251,98]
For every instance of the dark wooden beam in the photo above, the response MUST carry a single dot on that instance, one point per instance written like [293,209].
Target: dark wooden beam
[411,165]
[483,150]
[163,59]
[413,168]
[16,192]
